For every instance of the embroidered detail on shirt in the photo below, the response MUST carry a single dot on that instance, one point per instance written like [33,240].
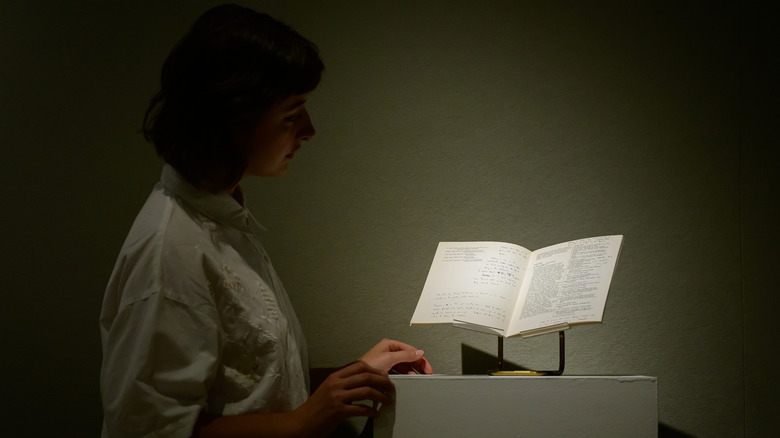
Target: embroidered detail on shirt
[242,370]
[210,288]
[231,281]
[270,302]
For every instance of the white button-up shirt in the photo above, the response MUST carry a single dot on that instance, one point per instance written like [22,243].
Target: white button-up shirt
[195,318]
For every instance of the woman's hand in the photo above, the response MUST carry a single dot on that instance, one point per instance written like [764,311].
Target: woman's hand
[334,400]
[402,358]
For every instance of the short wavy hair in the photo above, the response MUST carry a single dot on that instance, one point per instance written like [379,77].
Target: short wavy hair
[223,75]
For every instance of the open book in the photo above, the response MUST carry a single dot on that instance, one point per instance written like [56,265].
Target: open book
[508,290]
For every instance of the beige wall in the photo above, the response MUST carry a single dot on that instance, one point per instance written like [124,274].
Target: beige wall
[527,122]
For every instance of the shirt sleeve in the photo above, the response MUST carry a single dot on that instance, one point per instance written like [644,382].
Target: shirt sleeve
[160,358]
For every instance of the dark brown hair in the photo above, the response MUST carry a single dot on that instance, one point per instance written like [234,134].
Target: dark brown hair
[225,73]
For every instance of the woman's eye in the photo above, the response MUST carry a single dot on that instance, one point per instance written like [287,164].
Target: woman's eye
[292,118]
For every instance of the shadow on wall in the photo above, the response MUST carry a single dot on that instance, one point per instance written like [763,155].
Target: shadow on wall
[665,431]
[476,362]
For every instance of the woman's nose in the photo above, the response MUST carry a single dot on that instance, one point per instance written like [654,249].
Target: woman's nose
[307,131]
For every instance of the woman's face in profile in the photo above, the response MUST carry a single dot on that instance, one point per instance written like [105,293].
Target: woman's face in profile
[271,143]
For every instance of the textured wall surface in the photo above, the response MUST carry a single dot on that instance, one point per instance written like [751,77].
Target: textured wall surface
[526,122]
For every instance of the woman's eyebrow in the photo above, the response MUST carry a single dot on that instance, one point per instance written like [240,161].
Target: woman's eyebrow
[295,105]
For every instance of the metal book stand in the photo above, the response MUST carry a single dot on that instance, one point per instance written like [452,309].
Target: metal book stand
[561,361]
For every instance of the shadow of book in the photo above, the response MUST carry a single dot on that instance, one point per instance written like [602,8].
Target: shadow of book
[475,361]
[665,431]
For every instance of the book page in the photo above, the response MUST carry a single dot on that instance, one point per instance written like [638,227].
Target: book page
[472,281]
[566,283]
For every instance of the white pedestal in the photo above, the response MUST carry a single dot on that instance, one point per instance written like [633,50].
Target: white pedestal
[497,407]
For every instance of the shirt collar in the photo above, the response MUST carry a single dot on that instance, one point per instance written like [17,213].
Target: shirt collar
[219,207]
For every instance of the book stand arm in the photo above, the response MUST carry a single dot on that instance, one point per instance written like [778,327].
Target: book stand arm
[561,361]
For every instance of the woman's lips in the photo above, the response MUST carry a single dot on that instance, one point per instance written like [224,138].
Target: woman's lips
[292,154]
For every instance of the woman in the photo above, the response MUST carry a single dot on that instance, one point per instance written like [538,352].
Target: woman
[199,336]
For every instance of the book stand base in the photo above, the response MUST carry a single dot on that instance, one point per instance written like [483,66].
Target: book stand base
[561,361]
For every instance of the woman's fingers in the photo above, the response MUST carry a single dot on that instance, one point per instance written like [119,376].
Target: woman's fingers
[359,381]
[367,393]
[389,353]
